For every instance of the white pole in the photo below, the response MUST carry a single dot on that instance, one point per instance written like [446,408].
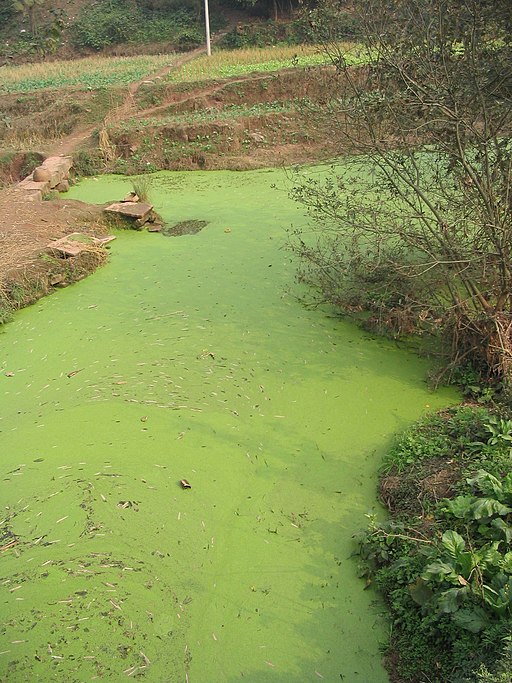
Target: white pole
[207,22]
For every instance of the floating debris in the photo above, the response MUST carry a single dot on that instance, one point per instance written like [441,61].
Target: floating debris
[185,484]
[74,372]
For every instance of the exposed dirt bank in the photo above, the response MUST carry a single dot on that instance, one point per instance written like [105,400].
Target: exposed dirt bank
[27,270]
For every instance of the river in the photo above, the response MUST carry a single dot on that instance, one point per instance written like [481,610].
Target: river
[190,358]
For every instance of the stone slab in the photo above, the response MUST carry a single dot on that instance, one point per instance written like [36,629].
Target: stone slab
[30,185]
[57,171]
[76,243]
[59,168]
[139,211]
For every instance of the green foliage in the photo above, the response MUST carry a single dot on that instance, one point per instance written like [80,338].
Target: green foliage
[473,383]
[471,581]
[452,433]
[110,23]
[503,672]
[91,73]
[447,575]
[6,311]
[102,24]
[330,21]
[261,34]
[6,15]
[42,38]
[29,9]
[86,163]
[501,432]
[485,512]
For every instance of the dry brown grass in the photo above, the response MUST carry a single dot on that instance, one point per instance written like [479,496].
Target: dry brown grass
[28,226]
[16,252]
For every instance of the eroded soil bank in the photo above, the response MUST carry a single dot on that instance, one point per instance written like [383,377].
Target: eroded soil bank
[187,358]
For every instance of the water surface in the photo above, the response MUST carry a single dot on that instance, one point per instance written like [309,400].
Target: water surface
[188,358]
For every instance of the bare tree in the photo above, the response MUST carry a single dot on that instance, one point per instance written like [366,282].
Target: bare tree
[417,227]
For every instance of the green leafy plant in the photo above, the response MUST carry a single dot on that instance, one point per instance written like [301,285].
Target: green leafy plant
[445,569]
[469,583]
[489,510]
[500,431]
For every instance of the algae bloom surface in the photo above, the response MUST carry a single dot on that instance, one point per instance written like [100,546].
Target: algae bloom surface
[186,358]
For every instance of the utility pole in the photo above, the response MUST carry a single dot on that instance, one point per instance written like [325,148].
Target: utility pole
[207,22]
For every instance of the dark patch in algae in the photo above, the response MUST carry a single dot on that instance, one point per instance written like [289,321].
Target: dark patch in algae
[184,228]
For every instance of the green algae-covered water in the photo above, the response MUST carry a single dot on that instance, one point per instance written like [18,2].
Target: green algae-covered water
[186,358]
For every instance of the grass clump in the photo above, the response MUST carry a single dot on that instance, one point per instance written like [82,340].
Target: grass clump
[141,185]
[443,559]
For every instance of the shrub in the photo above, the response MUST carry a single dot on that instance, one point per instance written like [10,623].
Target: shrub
[86,163]
[294,32]
[6,15]
[108,23]
[103,24]
[446,570]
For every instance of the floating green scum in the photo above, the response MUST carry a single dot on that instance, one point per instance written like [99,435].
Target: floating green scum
[189,359]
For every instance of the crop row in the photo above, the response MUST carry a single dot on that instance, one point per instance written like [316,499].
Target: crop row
[100,72]
[232,111]
[91,73]
[232,63]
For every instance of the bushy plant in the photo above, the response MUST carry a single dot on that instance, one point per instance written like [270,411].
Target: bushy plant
[108,23]
[446,572]
[294,32]
[102,24]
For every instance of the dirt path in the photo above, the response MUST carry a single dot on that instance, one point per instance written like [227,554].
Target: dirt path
[128,108]
[72,142]
[206,92]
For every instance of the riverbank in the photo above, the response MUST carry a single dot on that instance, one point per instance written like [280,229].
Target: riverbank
[28,270]
[442,559]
